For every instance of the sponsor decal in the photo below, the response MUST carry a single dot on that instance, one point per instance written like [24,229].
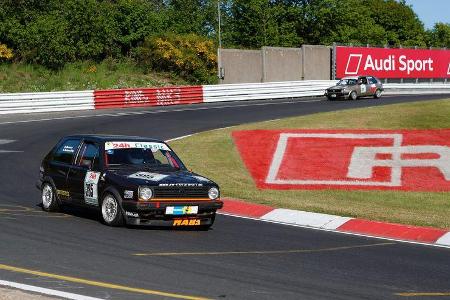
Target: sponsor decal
[181,210]
[91,187]
[392,63]
[140,145]
[68,149]
[186,222]
[180,184]
[148,97]
[128,194]
[63,193]
[135,97]
[131,214]
[409,160]
[148,176]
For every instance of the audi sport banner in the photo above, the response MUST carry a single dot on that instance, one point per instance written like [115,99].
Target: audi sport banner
[392,63]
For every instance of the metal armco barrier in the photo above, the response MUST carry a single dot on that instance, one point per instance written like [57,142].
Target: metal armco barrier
[148,97]
[46,102]
[261,91]
[126,98]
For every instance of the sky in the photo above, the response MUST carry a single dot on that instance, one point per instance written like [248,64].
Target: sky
[431,11]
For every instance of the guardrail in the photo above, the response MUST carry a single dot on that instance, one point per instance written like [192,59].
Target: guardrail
[46,102]
[124,98]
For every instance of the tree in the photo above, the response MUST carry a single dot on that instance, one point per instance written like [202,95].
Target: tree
[439,36]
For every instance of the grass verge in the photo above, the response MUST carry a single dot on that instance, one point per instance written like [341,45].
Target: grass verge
[214,155]
[108,74]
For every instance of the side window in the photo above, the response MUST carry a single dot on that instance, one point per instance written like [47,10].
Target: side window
[372,80]
[364,80]
[66,151]
[89,156]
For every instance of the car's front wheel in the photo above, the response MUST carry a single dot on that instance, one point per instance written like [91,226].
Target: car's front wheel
[206,227]
[353,95]
[377,94]
[48,196]
[111,211]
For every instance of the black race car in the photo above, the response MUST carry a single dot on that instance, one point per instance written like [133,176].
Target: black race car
[132,180]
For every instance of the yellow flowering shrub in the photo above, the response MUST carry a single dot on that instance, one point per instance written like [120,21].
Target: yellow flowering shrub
[5,52]
[191,56]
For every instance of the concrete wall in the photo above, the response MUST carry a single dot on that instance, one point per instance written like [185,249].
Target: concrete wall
[272,64]
[241,66]
[316,62]
[281,64]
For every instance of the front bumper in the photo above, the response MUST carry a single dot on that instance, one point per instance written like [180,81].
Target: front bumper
[336,95]
[153,213]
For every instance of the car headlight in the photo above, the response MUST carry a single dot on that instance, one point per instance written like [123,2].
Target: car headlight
[145,193]
[213,193]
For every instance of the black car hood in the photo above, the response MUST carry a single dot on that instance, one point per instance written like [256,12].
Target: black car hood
[160,178]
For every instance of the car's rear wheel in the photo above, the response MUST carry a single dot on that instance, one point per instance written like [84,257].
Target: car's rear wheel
[377,94]
[111,211]
[48,196]
[353,95]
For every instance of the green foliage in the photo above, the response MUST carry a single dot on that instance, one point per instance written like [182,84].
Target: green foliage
[191,56]
[55,32]
[257,23]
[439,36]
[87,75]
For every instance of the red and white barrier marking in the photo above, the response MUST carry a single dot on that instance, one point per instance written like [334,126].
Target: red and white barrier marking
[126,98]
[410,160]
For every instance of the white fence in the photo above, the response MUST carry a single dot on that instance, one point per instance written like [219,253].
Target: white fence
[46,102]
[261,91]
[85,100]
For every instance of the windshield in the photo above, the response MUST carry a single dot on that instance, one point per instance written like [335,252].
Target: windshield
[151,155]
[347,82]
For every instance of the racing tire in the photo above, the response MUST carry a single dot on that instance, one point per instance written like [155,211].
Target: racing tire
[207,227]
[48,197]
[377,94]
[111,211]
[353,96]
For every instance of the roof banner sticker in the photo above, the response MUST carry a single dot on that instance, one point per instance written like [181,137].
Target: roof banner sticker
[139,145]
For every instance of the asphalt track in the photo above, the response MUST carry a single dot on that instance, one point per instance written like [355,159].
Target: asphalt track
[237,259]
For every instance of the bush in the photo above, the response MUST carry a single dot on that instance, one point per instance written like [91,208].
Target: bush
[191,56]
[5,52]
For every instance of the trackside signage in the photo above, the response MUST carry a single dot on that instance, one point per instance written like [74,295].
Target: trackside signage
[416,160]
[392,63]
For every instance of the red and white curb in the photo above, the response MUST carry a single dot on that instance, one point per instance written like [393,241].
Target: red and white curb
[417,234]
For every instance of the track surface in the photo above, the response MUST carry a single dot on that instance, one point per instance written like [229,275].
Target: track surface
[231,261]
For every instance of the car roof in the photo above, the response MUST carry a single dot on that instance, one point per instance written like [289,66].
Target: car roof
[106,138]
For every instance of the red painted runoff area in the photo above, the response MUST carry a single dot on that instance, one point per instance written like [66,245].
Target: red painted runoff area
[408,160]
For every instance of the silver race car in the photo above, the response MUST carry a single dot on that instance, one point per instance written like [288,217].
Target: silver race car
[354,87]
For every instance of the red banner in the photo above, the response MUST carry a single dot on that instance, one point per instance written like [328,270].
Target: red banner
[148,97]
[392,63]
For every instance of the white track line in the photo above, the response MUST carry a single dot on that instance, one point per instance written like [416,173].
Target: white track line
[335,231]
[121,114]
[45,291]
